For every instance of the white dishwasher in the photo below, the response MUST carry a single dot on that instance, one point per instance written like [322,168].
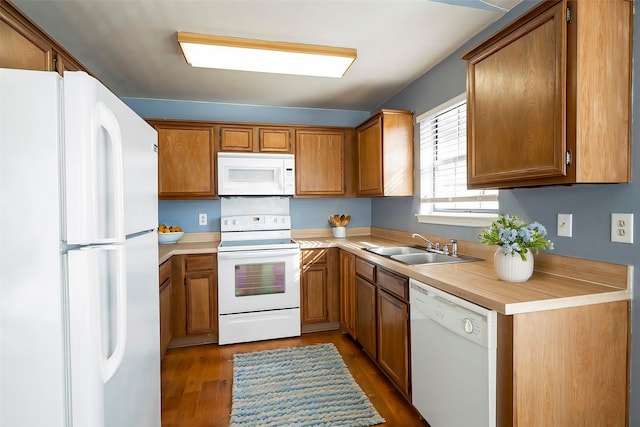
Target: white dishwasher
[453,359]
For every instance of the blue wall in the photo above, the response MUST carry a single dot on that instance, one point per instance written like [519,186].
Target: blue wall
[305,213]
[591,205]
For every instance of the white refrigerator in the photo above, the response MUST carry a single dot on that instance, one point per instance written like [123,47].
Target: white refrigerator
[79,322]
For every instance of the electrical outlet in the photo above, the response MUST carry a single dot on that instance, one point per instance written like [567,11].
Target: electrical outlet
[202,219]
[565,225]
[622,227]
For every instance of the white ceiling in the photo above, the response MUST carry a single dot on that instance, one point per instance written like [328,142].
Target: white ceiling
[131,45]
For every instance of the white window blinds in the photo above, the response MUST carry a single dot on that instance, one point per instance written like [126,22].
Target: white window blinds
[443,158]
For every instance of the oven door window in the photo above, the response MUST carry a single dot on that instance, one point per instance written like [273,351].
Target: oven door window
[260,279]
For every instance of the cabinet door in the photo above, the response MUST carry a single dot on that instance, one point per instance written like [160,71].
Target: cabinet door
[274,140]
[366,315]
[21,47]
[165,316]
[516,124]
[185,163]
[236,138]
[348,293]
[314,294]
[201,298]
[370,158]
[320,163]
[393,339]
[165,277]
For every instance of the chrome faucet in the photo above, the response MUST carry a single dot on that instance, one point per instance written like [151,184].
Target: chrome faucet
[454,247]
[435,247]
[430,244]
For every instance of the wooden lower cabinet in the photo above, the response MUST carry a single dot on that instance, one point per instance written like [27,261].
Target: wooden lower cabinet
[165,306]
[564,367]
[319,294]
[313,292]
[348,292]
[195,298]
[393,339]
[366,316]
[382,320]
[201,298]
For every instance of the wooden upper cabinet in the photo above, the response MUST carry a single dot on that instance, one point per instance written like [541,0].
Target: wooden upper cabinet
[236,138]
[549,98]
[255,139]
[385,154]
[274,140]
[320,162]
[20,46]
[24,46]
[186,168]
[64,63]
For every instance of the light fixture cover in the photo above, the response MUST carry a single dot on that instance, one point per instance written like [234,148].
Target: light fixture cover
[233,53]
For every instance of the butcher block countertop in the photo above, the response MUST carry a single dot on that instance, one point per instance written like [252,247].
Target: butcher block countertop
[557,281]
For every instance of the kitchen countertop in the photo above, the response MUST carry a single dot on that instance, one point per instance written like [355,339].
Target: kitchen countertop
[564,281]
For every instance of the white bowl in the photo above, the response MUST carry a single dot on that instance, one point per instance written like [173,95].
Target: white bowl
[169,238]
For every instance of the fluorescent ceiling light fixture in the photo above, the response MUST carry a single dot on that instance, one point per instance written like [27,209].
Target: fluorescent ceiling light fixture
[233,53]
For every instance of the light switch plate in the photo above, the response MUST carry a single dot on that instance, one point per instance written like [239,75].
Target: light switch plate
[565,225]
[622,227]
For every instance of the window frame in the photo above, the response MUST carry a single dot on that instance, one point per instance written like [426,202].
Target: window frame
[428,215]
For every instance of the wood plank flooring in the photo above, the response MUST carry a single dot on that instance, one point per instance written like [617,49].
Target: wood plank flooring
[196,381]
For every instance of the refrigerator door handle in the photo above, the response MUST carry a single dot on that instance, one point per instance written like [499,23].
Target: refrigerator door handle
[111,363]
[98,307]
[107,120]
[97,298]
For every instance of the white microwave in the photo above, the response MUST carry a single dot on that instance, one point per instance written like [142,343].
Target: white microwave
[256,174]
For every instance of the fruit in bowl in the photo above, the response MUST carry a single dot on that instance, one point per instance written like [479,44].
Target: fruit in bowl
[170,229]
[170,234]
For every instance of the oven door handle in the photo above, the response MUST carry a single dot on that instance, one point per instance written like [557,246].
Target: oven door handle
[268,253]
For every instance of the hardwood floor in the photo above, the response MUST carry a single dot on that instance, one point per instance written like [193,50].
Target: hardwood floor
[196,381]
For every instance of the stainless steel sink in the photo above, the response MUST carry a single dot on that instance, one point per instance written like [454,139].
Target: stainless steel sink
[431,258]
[388,251]
[412,255]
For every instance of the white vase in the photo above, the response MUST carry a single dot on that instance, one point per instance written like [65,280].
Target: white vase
[511,268]
[339,232]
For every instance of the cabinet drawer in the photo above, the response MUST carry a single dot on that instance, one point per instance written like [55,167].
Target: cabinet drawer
[200,262]
[397,285]
[366,270]
[165,271]
[314,256]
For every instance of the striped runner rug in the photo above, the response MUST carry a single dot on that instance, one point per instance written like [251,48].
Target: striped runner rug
[298,386]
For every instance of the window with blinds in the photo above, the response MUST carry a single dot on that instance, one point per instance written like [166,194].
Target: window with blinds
[443,165]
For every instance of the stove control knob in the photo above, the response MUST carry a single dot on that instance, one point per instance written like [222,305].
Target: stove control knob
[234,222]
